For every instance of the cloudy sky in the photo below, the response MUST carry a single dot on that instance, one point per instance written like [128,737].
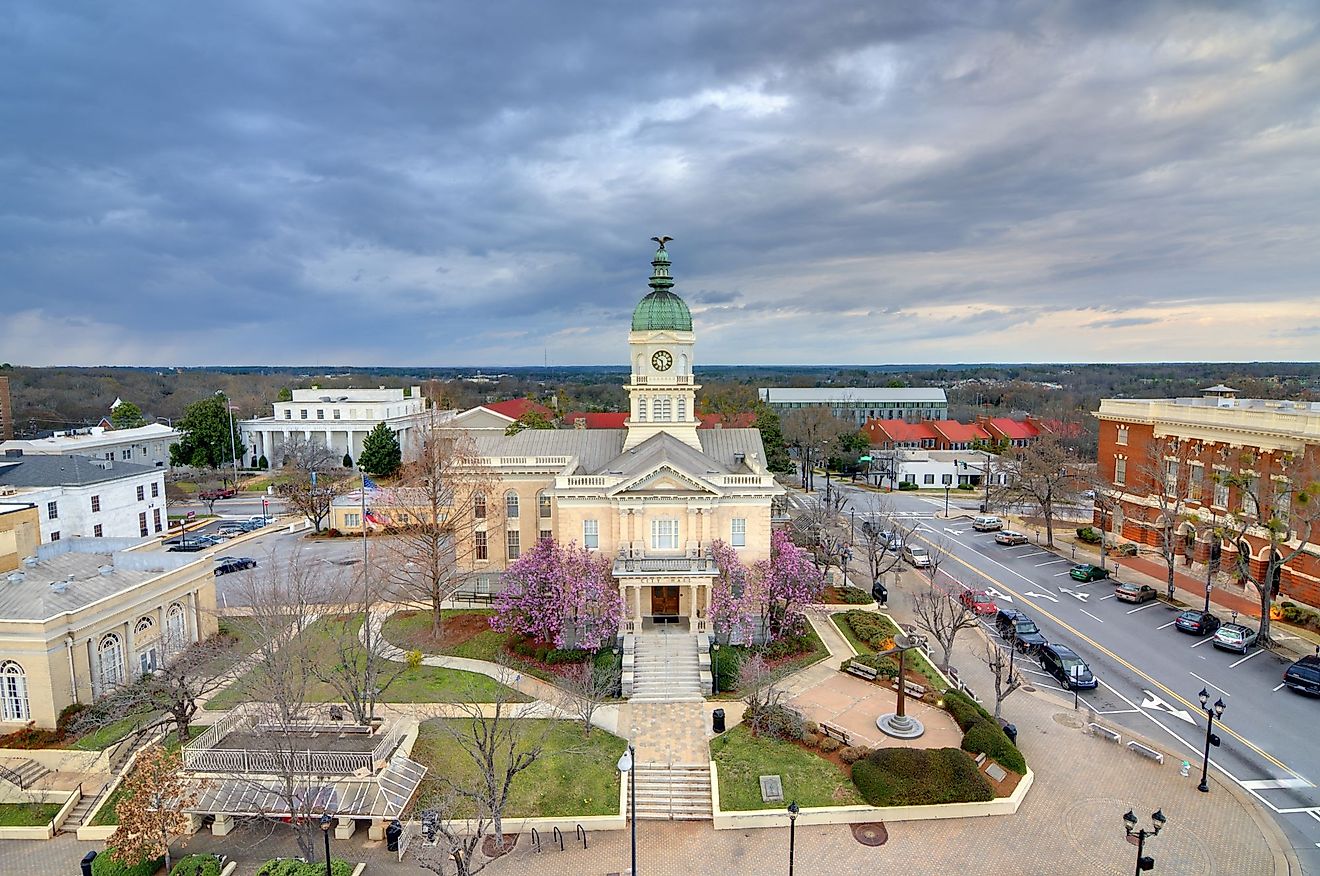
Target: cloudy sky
[443,183]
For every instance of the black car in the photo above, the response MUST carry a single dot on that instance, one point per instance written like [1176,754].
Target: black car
[191,547]
[1197,622]
[1019,629]
[1063,663]
[1304,675]
[236,564]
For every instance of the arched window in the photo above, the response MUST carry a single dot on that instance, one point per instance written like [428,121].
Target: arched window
[145,627]
[13,692]
[682,409]
[175,624]
[479,506]
[110,657]
[511,505]
[543,505]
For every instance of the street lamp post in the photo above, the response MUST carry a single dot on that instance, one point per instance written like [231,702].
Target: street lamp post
[946,500]
[792,834]
[1157,820]
[326,822]
[1211,738]
[626,766]
[1211,566]
[985,509]
[233,446]
[715,668]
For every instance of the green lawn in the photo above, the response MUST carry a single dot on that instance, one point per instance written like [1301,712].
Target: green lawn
[425,684]
[575,774]
[103,737]
[809,779]
[915,660]
[726,661]
[27,814]
[407,627]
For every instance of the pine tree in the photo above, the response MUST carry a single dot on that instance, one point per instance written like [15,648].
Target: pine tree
[380,454]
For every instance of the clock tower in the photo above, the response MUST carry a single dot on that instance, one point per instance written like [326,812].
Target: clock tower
[662,391]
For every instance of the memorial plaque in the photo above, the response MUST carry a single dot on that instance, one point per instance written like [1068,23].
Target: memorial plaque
[996,772]
[772,789]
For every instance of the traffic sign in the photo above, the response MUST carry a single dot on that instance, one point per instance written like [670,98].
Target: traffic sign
[192,514]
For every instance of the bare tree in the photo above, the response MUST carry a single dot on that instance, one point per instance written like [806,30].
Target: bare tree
[1040,476]
[764,698]
[1108,501]
[811,431]
[451,844]
[585,688]
[881,539]
[943,615]
[1165,476]
[939,552]
[316,478]
[1279,501]
[450,499]
[1006,681]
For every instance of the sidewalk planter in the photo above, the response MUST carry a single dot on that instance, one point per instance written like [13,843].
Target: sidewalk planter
[68,799]
[778,818]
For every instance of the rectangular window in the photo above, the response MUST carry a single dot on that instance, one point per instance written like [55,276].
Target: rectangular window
[946,479]
[545,535]
[141,493]
[928,479]
[738,532]
[1122,435]
[126,454]
[664,409]
[1249,493]
[96,531]
[155,491]
[682,409]
[1195,477]
[591,534]
[1120,471]
[320,413]
[353,519]
[336,412]
[142,524]
[1170,477]
[155,519]
[1221,495]
[511,544]
[664,535]
[52,512]
[288,413]
[55,536]
[302,414]
[1282,501]
[543,505]
[479,506]
[96,502]
[479,541]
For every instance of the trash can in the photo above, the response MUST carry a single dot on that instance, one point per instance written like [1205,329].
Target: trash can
[87,863]
[1010,730]
[717,720]
[392,834]
[880,594]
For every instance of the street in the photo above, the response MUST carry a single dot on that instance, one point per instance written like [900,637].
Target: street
[1149,673]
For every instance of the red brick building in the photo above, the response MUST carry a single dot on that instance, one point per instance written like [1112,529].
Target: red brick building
[1184,447]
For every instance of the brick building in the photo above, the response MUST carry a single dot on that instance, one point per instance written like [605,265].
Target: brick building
[1185,446]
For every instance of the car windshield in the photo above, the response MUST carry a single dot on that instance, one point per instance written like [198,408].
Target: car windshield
[1230,633]
[1312,673]
[917,552]
[1069,662]
[1026,626]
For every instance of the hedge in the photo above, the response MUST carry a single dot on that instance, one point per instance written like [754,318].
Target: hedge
[105,865]
[982,733]
[965,710]
[906,486]
[1089,535]
[871,628]
[919,776]
[197,865]
[1300,615]
[884,667]
[294,867]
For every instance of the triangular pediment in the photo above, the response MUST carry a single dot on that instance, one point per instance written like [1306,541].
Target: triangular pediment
[665,478]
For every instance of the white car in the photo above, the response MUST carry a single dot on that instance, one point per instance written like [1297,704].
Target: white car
[917,556]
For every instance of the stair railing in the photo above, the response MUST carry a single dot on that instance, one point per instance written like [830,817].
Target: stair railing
[13,778]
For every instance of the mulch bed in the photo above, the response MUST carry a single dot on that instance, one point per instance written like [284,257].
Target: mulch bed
[490,850]
[456,630]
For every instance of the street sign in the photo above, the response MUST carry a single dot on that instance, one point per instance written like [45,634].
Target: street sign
[191,514]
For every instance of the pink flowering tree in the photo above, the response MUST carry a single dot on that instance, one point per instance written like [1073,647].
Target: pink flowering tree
[783,586]
[561,595]
[730,607]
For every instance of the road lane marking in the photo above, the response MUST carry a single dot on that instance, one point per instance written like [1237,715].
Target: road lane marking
[1169,624]
[1121,712]
[1277,686]
[1088,614]
[1210,684]
[1036,554]
[1050,563]
[1275,784]
[1153,702]
[1059,574]
[1040,595]
[1103,598]
[1202,642]
[1243,660]
[1141,608]
[1121,661]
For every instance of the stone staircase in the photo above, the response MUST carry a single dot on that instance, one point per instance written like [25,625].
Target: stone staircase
[677,792]
[82,809]
[666,668]
[22,773]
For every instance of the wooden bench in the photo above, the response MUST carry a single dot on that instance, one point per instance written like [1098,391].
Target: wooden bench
[313,729]
[912,689]
[861,670]
[1105,732]
[1145,751]
[835,733]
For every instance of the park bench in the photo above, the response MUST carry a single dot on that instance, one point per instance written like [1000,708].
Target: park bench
[912,689]
[1145,751]
[835,733]
[1105,732]
[861,670]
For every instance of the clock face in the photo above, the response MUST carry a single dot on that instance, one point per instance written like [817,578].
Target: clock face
[661,360]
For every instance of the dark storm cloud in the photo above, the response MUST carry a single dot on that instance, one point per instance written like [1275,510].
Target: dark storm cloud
[411,182]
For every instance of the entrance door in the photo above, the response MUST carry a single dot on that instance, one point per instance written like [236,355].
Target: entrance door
[664,600]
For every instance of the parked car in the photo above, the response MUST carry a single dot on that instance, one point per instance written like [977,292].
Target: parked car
[1063,663]
[261,521]
[1019,629]
[1087,572]
[235,564]
[916,555]
[1234,637]
[190,548]
[892,540]
[1304,675]
[210,540]
[230,526]
[1009,537]
[1135,593]
[978,601]
[1193,620]
[987,523]
[221,493]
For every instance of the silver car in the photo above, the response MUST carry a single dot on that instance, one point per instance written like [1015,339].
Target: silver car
[1234,637]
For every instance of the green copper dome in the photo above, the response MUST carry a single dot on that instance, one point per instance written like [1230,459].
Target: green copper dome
[661,309]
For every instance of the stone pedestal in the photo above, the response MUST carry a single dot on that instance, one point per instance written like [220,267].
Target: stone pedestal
[222,825]
[194,823]
[344,828]
[377,829]
[900,726]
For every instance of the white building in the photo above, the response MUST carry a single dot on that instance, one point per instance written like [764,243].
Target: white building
[932,469]
[336,418]
[146,445]
[862,403]
[87,497]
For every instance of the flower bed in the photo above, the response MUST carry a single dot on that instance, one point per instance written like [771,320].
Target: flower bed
[869,632]
[919,776]
[981,733]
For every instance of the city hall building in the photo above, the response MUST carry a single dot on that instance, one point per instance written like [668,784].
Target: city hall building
[652,495]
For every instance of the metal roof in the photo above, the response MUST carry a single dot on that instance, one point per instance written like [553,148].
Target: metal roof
[382,796]
[65,469]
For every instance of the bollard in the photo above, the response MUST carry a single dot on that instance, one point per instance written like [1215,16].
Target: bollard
[1186,769]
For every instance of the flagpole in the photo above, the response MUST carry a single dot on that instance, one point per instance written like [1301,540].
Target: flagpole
[366,605]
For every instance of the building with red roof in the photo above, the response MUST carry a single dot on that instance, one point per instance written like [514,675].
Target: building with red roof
[741,420]
[516,408]
[952,435]
[1017,433]
[894,434]
[597,420]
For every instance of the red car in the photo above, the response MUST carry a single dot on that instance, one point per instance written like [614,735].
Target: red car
[978,601]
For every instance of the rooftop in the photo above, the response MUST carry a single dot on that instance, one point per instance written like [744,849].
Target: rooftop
[598,450]
[65,469]
[71,574]
[354,394]
[89,439]
[851,394]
